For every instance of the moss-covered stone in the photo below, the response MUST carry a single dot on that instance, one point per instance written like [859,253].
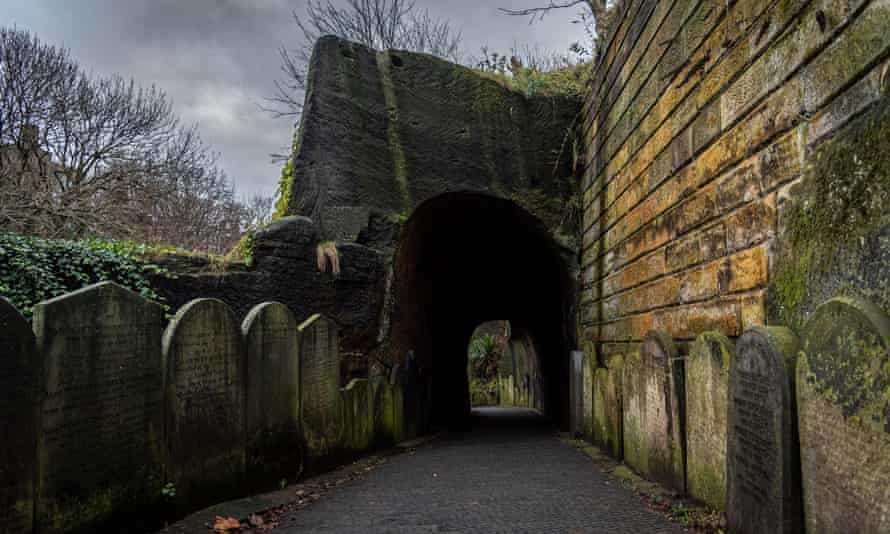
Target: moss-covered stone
[843,405]
[607,409]
[835,234]
[707,383]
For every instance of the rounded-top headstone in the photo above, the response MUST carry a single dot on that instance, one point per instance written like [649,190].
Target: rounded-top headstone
[662,398]
[272,343]
[205,399]
[102,416]
[320,372]
[843,402]
[18,411]
[762,469]
[707,383]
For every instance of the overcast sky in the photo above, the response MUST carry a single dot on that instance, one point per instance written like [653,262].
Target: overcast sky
[217,59]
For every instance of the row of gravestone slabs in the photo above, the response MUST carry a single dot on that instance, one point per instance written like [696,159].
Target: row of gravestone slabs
[107,409]
[785,434]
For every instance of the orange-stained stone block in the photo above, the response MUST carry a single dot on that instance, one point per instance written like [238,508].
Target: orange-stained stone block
[749,269]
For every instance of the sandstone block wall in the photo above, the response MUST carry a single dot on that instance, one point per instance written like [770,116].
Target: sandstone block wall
[736,176]
[701,119]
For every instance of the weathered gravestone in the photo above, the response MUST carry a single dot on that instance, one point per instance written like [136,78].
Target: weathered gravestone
[762,467]
[100,447]
[660,398]
[576,391]
[588,371]
[205,401]
[272,343]
[19,409]
[320,389]
[633,436]
[398,403]
[843,403]
[707,383]
[383,424]
[357,415]
[607,408]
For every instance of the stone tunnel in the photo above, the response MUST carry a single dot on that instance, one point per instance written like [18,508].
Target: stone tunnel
[466,188]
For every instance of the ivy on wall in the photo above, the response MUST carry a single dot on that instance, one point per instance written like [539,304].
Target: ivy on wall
[33,270]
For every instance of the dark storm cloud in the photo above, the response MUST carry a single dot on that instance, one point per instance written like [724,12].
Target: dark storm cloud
[217,58]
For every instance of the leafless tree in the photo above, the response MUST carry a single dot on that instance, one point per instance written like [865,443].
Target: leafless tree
[595,15]
[81,156]
[378,24]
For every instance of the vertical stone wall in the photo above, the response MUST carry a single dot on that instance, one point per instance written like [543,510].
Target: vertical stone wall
[700,120]
[736,177]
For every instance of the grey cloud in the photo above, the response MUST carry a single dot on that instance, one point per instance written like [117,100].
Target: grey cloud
[217,58]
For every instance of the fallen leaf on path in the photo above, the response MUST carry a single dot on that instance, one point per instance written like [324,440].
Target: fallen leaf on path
[225,524]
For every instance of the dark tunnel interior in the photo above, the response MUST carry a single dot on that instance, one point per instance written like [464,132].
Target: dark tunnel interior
[467,258]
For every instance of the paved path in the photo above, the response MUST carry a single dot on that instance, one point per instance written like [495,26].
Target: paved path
[510,475]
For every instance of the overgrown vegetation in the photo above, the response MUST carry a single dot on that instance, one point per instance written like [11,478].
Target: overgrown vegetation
[34,269]
[533,72]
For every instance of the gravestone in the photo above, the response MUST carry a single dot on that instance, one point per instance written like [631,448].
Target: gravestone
[357,415]
[19,410]
[843,403]
[205,401]
[633,436]
[382,398]
[762,463]
[661,400]
[100,445]
[588,370]
[398,403]
[576,391]
[320,388]
[607,408]
[707,384]
[272,344]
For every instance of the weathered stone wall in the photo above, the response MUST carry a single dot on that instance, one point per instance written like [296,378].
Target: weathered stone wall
[115,419]
[736,176]
[700,121]
[383,131]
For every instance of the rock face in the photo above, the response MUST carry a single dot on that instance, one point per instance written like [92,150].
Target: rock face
[383,131]
[285,270]
[843,403]
[762,472]
[18,391]
[100,445]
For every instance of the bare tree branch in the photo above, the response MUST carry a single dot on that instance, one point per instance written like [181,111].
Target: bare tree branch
[378,24]
[84,156]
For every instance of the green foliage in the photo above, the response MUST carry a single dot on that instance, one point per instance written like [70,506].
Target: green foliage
[33,269]
[243,249]
[284,185]
[482,347]
[538,74]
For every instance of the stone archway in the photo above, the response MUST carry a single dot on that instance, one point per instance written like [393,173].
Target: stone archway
[467,258]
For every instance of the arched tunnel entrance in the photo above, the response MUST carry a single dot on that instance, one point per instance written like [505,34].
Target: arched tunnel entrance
[467,258]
